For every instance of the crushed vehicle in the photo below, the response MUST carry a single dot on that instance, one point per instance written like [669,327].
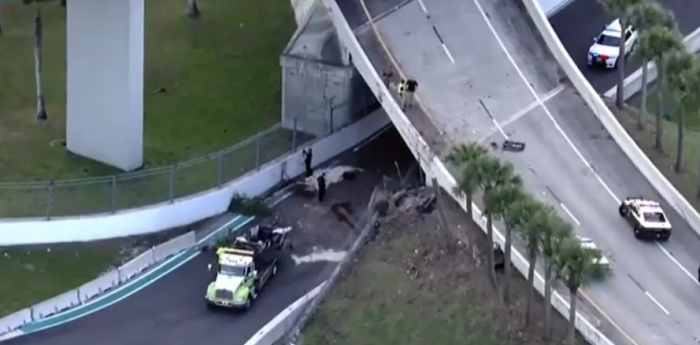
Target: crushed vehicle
[244,266]
[647,218]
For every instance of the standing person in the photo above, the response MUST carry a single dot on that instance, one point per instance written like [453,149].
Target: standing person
[308,159]
[402,94]
[411,86]
[321,181]
[387,76]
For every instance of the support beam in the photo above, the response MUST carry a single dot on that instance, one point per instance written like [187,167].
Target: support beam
[104,82]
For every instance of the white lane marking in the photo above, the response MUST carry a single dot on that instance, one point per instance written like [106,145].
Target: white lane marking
[447,51]
[524,111]
[566,209]
[559,129]
[673,258]
[422,6]
[656,302]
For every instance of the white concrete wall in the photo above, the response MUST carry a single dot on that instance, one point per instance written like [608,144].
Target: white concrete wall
[104,84]
[189,209]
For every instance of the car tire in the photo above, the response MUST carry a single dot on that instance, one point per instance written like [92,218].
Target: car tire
[622,210]
[637,232]
[248,303]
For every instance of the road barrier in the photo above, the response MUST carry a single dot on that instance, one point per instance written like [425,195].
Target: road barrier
[194,208]
[633,83]
[601,111]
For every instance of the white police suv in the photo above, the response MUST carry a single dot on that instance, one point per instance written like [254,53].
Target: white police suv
[606,47]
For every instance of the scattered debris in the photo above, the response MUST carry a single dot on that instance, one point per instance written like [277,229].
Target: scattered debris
[333,175]
[326,255]
[513,146]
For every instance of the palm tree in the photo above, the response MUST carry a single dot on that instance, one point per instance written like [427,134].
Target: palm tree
[493,174]
[41,114]
[679,65]
[619,8]
[577,267]
[502,201]
[464,156]
[658,41]
[645,16]
[193,9]
[537,217]
[553,234]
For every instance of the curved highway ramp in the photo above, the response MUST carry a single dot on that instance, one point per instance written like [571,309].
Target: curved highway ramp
[484,75]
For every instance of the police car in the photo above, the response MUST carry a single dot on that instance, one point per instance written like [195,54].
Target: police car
[647,218]
[606,46]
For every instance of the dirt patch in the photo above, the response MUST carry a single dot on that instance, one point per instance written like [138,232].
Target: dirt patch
[416,284]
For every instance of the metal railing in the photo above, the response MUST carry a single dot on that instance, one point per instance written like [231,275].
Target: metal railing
[109,194]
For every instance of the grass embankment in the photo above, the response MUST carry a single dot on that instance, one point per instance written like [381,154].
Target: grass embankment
[222,80]
[222,77]
[415,284]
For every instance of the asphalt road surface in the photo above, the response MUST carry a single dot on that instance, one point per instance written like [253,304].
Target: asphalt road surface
[172,311]
[582,20]
[494,83]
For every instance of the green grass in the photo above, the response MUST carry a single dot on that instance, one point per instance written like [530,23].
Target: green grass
[222,77]
[33,275]
[415,285]
[687,181]
[670,109]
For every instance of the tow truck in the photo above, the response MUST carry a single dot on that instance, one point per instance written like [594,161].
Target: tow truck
[244,267]
[646,217]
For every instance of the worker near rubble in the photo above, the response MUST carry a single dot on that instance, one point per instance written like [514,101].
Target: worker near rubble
[321,181]
[308,159]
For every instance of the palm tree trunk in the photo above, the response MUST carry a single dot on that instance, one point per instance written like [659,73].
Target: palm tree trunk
[642,119]
[492,272]
[681,135]
[571,330]
[193,9]
[532,256]
[40,104]
[508,267]
[547,300]
[620,101]
[660,106]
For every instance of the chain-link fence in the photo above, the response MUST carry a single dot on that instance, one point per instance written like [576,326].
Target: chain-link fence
[58,198]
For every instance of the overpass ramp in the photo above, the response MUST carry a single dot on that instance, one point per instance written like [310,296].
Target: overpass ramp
[485,76]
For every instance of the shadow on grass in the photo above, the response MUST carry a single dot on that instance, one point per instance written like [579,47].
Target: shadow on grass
[687,181]
[100,195]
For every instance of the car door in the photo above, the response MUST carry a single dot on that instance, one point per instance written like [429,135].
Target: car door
[634,215]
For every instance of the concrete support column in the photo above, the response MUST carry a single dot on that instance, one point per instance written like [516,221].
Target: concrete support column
[104,84]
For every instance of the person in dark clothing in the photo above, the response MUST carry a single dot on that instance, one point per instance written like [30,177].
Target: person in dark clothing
[386,75]
[308,159]
[321,180]
[411,86]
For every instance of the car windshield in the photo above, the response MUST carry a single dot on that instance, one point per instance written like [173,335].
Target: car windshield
[232,271]
[607,40]
[654,217]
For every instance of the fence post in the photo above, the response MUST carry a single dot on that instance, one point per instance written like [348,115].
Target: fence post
[113,202]
[257,152]
[49,199]
[294,136]
[220,169]
[171,184]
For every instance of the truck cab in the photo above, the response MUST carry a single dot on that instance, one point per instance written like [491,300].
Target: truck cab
[240,275]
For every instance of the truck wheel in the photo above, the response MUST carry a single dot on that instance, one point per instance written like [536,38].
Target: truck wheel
[248,303]
[623,210]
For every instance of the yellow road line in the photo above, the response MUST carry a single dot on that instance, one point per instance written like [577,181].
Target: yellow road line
[397,66]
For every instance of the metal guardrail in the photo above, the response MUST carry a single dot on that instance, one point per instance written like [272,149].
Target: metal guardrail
[109,194]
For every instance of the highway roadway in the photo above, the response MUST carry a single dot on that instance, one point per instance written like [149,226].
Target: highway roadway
[172,311]
[484,75]
[579,22]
